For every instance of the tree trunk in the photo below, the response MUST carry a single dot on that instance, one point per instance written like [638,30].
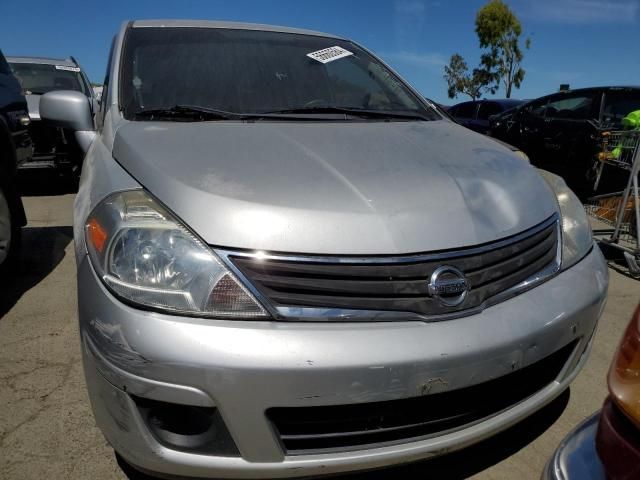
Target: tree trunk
[509,79]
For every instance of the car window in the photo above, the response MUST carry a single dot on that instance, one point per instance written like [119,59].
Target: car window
[509,111]
[465,110]
[487,109]
[350,78]
[535,109]
[573,107]
[617,104]
[37,78]
[248,71]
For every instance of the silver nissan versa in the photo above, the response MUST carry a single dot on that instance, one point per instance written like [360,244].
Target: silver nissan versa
[289,264]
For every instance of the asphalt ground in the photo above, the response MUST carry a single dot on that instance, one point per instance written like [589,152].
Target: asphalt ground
[47,429]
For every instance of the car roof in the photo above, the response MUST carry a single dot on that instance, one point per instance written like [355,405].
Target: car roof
[227,25]
[608,87]
[587,90]
[43,61]
[502,101]
[505,102]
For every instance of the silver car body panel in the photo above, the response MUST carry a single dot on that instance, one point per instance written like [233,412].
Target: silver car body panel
[351,188]
[359,189]
[43,61]
[178,23]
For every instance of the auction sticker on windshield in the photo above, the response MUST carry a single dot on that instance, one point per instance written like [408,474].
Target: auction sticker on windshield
[330,54]
[67,68]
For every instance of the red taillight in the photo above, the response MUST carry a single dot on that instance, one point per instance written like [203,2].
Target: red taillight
[624,375]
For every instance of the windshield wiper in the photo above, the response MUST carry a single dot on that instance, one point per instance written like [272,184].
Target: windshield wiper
[188,112]
[198,113]
[359,112]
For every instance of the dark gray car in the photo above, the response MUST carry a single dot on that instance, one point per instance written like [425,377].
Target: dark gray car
[15,148]
[475,115]
[561,132]
[290,265]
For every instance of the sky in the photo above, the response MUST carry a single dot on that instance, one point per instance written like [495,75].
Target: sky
[579,42]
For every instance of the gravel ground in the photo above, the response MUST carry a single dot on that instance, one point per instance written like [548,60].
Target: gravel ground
[46,426]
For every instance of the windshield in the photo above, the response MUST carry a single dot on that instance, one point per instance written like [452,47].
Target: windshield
[249,72]
[37,78]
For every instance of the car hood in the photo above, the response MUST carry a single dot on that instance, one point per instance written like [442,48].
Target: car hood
[335,187]
[33,104]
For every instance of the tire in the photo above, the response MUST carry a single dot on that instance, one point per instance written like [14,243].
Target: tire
[10,234]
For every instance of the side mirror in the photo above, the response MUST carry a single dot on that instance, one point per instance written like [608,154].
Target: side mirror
[69,109]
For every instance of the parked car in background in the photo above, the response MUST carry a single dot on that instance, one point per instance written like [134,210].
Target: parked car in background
[289,264]
[559,132]
[443,110]
[606,446]
[15,148]
[54,147]
[475,115]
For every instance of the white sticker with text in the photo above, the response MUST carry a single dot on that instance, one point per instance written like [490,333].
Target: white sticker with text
[330,54]
[67,68]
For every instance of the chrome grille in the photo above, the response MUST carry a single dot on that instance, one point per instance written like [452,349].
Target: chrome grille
[400,284]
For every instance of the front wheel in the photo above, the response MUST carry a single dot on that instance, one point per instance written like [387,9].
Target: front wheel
[9,234]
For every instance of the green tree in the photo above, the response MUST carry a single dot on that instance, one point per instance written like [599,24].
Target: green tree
[499,31]
[461,81]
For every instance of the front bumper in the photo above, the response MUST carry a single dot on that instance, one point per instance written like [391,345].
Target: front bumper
[244,368]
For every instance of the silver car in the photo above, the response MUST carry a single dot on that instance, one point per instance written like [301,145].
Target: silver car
[290,264]
[53,148]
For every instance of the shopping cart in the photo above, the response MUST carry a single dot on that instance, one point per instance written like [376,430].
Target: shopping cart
[617,148]
[621,211]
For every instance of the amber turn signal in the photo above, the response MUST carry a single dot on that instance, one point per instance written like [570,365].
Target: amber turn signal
[97,235]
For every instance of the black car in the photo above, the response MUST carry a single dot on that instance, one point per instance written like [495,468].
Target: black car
[475,115]
[443,110]
[15,148]
[54,147]
[560,132]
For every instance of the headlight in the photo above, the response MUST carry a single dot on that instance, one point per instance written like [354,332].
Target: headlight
[577,238]
[522,155]
[146,257]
